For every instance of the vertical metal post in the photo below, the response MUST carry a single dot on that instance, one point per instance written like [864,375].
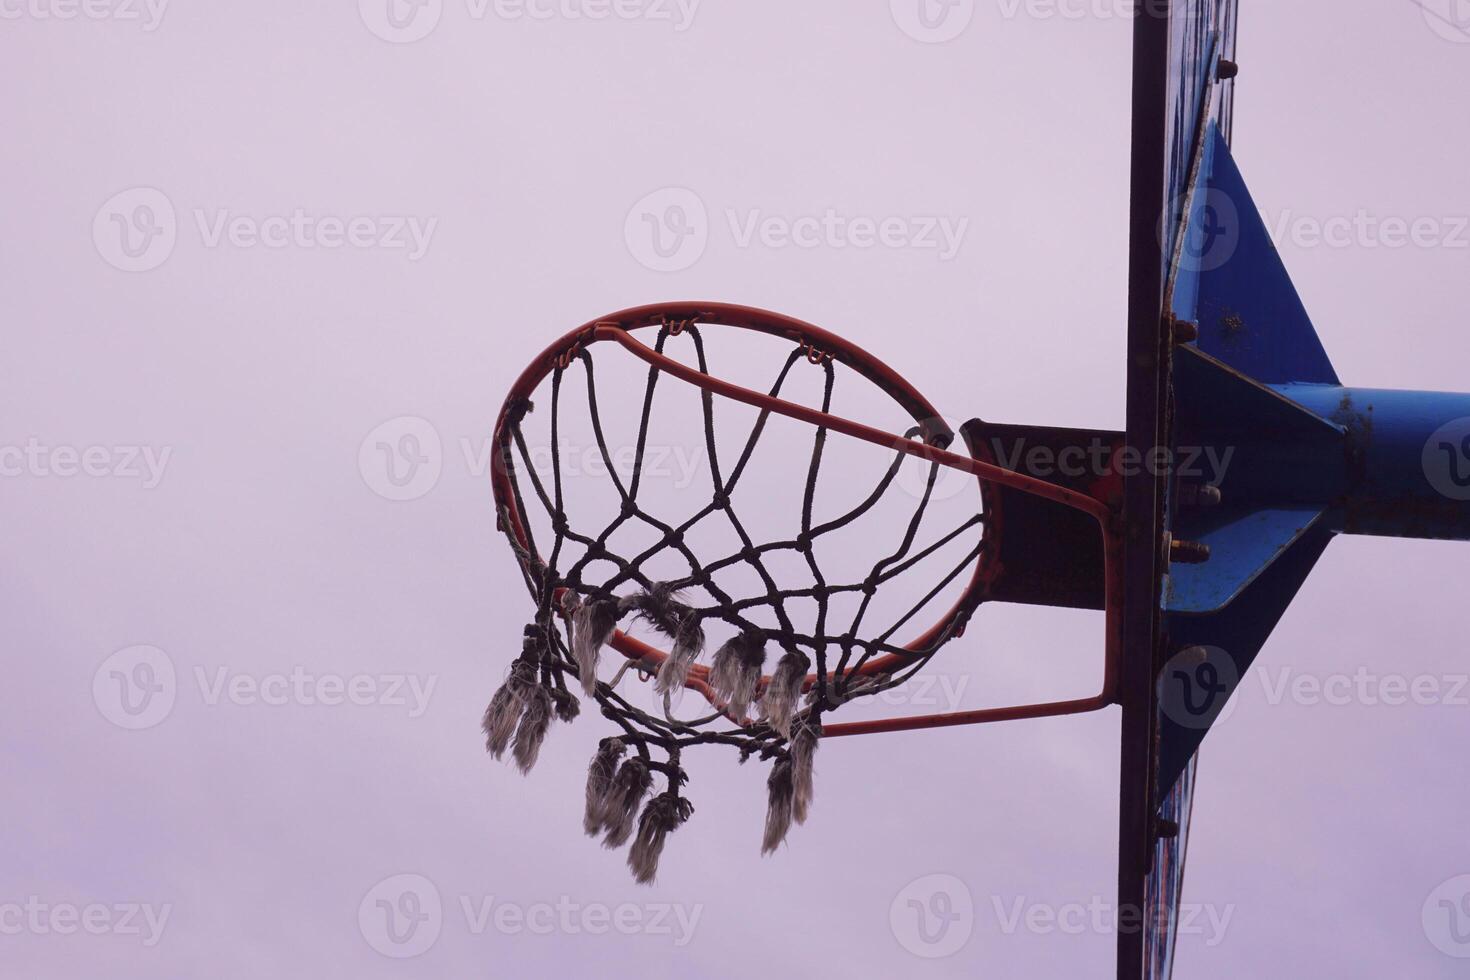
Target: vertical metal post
[1143,496]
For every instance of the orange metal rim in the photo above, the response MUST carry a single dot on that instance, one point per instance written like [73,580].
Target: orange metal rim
[820,344]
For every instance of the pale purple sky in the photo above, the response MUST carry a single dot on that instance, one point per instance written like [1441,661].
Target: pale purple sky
[212,389]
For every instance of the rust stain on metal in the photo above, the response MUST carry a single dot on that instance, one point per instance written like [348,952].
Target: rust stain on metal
[1232,325]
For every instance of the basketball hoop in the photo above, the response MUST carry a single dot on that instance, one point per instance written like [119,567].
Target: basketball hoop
[820,664]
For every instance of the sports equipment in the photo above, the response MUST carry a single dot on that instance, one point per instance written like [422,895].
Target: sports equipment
[1191,574]
[1223,354]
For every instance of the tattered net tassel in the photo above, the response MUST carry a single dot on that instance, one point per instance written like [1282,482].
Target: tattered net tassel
[661,607]
[567,705]
[600,773]
[664,813]
[674,671]
[499,723]
[629,787]
[593,624]
[532,730]
[779,702]
[778,811]
[735,672]
[803,753]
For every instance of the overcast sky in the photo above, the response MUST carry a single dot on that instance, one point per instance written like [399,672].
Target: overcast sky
[246,244]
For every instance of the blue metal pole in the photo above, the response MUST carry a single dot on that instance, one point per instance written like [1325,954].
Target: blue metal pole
[1406,466]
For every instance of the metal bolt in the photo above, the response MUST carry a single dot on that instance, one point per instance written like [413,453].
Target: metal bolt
[1183,331]
[1189,552]
[1199,495]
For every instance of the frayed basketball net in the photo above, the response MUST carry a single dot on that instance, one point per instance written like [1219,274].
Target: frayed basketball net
[776,717]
